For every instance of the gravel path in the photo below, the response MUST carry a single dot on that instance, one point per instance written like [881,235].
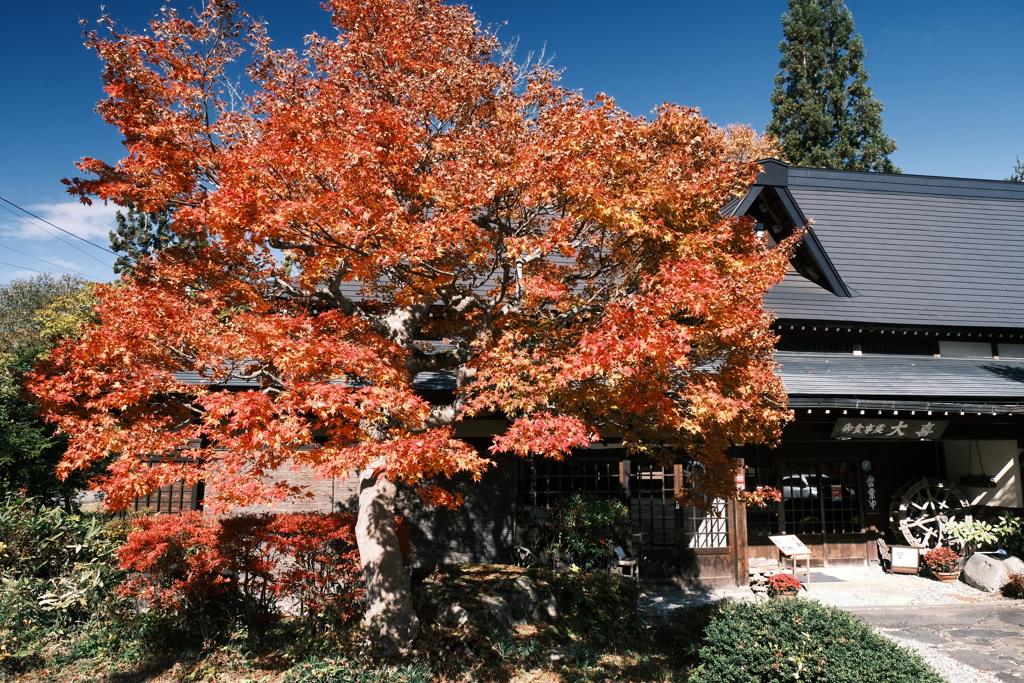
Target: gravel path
[869,586]
[950,669]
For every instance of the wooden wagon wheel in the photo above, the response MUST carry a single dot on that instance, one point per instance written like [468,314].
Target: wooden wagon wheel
[922,509]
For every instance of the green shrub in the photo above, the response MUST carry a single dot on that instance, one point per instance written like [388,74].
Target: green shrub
[1010,532]
[683,635]
[25,627]
[354,671]
[600,607]
[589,529]
[57,572]
[46,542]
[786,640]
[974,534]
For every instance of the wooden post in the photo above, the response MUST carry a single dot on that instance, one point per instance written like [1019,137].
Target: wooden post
[624,471]
[738,529]
[677,490]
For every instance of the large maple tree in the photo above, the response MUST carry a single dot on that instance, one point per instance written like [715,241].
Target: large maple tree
[402,182]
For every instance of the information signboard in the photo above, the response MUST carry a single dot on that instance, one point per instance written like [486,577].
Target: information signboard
[905,560]
[790,545]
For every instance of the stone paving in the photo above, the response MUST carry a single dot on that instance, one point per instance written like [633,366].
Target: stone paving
[967,635]
[984,641]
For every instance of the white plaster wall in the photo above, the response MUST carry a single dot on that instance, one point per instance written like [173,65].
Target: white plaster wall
[999,460]
[1011,350]
[964,348]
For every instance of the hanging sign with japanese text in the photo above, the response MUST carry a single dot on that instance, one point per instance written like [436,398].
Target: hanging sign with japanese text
[886,428]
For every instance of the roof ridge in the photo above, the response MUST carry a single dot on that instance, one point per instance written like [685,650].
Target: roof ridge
[865,181]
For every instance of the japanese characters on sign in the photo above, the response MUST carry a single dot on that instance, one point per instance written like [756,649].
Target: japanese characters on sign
[872,500]
[790,545]
[886,428]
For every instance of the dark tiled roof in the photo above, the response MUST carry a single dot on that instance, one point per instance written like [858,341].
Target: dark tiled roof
[904,183]
[916,250]
[836,374]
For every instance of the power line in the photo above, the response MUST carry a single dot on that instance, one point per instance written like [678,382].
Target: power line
[4,263]
[57,236]
[38,258]
[8,201]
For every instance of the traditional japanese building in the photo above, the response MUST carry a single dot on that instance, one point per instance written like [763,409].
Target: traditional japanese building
[901,327]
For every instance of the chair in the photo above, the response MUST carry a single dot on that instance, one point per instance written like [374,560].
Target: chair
[521,556]
[624,565]
[884,555]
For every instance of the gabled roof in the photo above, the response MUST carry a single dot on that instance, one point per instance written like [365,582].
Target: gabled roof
[912,250]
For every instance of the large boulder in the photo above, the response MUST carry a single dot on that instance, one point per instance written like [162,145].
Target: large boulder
[491,599]
[990,572]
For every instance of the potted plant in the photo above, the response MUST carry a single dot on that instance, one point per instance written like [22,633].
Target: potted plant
[783,585]
[944,563]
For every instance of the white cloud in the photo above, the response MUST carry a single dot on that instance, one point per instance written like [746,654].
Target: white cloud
[93,223]
[70,265]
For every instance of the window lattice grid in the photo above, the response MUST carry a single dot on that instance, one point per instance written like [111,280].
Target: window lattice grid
[801,502]
[652,505]
[707,528]
[840,497]
[820,497]
[172,499]
[544,483]
[764,520]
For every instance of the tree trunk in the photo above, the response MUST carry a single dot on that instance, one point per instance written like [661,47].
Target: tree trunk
[390,618]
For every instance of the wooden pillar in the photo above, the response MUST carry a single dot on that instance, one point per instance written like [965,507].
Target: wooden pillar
[738,529]
[677,491]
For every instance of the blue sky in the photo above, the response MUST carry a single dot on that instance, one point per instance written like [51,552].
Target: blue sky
[948,73]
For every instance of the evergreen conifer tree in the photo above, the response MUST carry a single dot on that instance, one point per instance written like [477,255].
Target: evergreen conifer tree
[139,234]
[823,111]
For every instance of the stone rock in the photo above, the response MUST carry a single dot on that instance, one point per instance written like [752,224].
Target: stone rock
[1014,564]
[453,615]
[508,604]
[762,565]
[990,573]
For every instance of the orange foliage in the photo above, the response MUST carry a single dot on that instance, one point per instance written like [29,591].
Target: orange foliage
[175,560]
[182,562]
[407,181]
